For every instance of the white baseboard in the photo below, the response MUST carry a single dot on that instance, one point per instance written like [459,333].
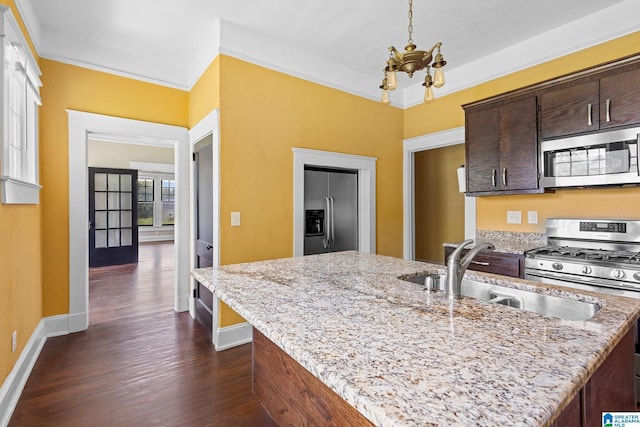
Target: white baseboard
[233,336]
[183,303]
[56,325]
[78,322]
[17,378]
[11,390]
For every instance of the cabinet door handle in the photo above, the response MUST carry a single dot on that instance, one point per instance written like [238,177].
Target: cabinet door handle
[504,177]
[493,178]
[486,264]
[589,121]
[608,104]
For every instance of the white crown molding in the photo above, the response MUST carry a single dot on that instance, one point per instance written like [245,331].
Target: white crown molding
[605,25]
[228,39]
[30,20]
[206,54]
[250,47]
[115,62]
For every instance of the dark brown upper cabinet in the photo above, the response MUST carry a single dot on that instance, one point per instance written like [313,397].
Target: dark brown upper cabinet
[502,147]
[602,101]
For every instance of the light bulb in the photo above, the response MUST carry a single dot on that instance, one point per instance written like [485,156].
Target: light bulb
[438,77]
[385,97]
[392,80]
[428,95]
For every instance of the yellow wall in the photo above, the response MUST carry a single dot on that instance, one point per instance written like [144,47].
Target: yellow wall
[70,87]
[20,294]
[204,97]
[446,113]
[263,115]
[257,158]
[439,206]
[20,271]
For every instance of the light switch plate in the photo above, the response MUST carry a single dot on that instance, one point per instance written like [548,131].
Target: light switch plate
[514,217]
[532,217]
[235,219]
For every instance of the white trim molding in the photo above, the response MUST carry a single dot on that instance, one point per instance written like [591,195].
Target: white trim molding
[17,378]
[366,167]
[14,383]
[19,192]
[209,126]
[409,147]
[82,126]
[232,336]
[229,39]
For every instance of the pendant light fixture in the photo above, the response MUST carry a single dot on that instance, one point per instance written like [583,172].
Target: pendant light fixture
[410,61]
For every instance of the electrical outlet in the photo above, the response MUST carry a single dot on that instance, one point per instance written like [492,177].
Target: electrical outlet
[514,217]
[235,219]
[532,217]
[14,341]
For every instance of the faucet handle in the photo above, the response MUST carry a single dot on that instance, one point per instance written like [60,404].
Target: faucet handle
[458,250]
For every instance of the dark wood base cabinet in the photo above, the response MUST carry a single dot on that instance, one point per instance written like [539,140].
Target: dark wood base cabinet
[292,395]
[611,388]
[505,264]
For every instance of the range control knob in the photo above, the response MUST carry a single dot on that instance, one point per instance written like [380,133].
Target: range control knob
[557,266]
[586,269]
[618,274]
[636,276]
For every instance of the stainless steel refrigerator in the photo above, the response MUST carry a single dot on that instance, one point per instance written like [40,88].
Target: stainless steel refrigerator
[331,210]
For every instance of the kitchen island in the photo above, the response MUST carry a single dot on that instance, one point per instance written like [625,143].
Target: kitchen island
[403,356]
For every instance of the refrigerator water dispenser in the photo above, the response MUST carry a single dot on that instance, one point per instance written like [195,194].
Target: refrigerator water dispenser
[314,222]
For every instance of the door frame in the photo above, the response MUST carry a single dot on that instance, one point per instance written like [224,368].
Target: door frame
[82,126]
[209,125]
[366,167]
[409,147]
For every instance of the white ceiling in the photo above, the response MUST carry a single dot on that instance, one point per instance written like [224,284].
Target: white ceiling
[341,43]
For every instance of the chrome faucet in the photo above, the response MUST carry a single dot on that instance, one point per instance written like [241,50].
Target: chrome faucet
[456,266]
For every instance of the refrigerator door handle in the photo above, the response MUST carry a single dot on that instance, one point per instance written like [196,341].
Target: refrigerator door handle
[333,231]
[326,239]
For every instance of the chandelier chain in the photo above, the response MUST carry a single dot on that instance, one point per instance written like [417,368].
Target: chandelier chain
[410,22]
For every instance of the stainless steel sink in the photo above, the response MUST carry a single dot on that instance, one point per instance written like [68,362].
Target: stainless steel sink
[546,305]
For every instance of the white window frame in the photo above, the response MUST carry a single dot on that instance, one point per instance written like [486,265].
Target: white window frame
[20,82]
[157,199]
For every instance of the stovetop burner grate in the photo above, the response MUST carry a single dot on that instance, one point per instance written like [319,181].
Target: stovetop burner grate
[598,255]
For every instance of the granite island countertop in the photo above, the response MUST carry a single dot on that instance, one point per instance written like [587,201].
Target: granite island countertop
[403,356]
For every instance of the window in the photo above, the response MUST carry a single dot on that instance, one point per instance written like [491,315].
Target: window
[154,211]
[19,119]
[168,201]
[145,202]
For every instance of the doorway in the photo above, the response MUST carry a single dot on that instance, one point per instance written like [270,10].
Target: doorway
[439,206]
[83,126]
[203,182]
[410,148]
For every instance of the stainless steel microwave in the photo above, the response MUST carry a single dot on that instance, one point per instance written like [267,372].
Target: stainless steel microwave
[607,158]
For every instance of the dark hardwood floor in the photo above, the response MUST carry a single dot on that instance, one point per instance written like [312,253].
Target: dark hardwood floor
[139,363]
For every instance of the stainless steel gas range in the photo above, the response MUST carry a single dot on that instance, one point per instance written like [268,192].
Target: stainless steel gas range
[593,254]
[601,255]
